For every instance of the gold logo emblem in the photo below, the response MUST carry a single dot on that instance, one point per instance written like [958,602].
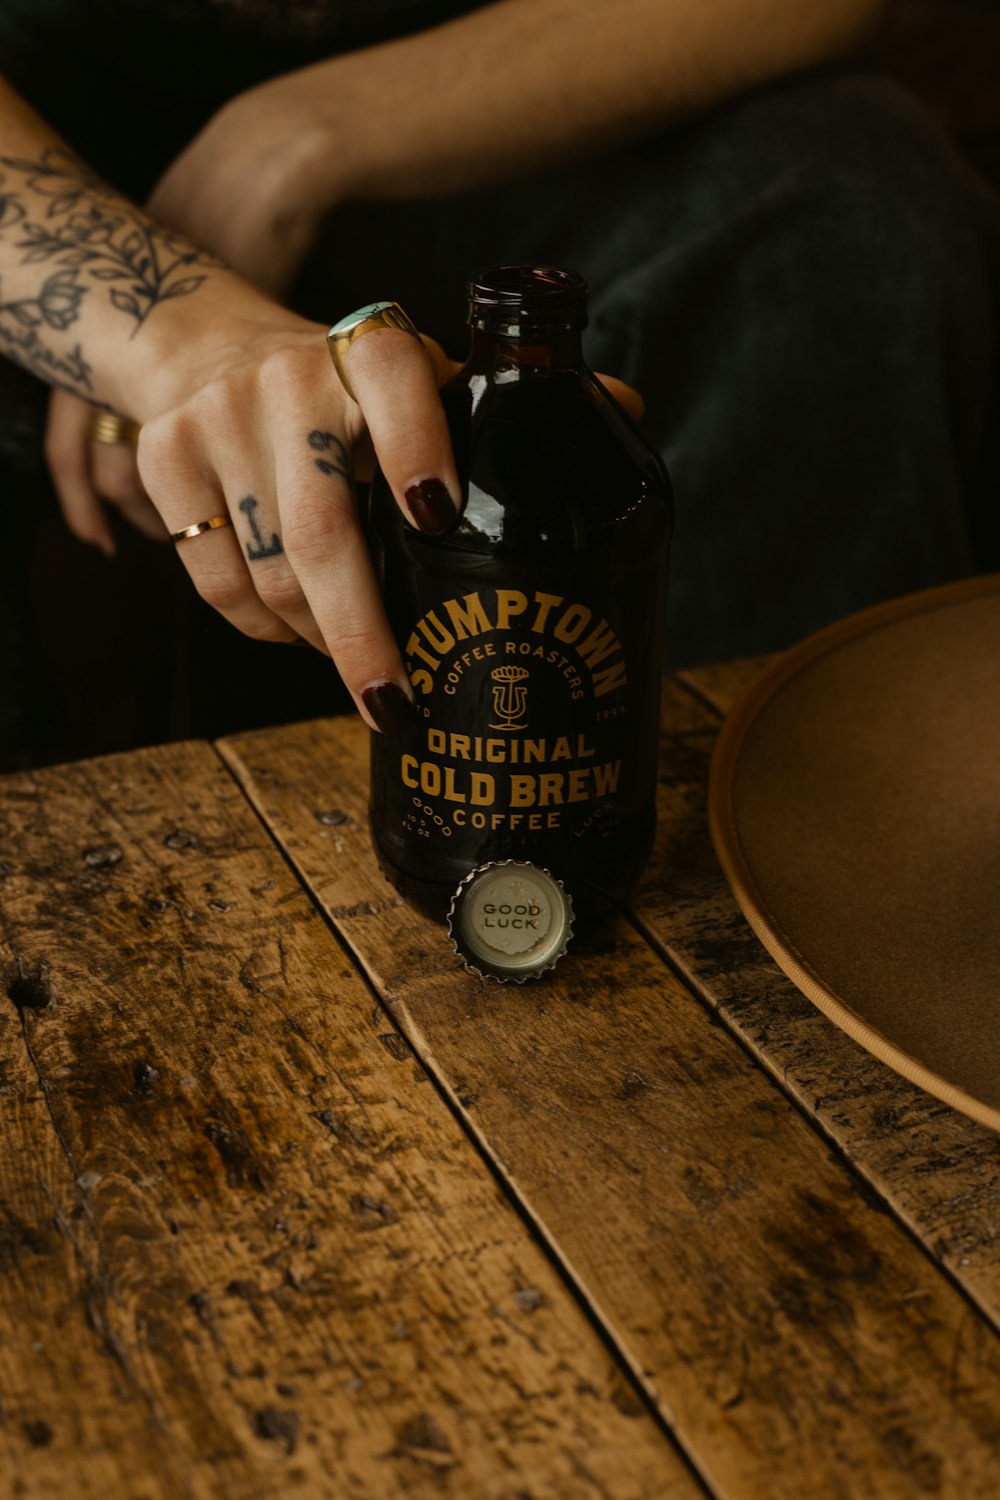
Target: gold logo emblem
[510,697]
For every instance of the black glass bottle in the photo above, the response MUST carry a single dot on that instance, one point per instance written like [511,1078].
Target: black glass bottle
[532,630]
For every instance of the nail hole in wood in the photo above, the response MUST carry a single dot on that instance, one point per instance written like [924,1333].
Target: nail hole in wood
[29,991]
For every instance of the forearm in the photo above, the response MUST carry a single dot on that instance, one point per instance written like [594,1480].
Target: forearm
[95,296]
[526,85]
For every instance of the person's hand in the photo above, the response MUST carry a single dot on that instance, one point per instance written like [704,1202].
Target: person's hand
[263,434]
[270,441]
[89,476]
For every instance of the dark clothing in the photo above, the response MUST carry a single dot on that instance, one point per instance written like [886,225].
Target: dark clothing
[804,286]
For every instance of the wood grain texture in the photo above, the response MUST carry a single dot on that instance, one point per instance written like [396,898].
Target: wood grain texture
[245,1249]
[939,1170]
[794,1336]
[54,1339]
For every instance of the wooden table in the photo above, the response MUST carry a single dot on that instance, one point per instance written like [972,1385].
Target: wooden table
[291,1206]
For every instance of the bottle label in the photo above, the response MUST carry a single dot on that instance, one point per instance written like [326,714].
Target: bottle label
[524,698]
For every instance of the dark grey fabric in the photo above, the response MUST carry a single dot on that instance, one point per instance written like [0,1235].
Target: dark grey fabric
[804,286]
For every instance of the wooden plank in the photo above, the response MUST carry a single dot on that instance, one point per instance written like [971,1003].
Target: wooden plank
[796,1339]
[245,1248]
[54,1333]
[939,1171]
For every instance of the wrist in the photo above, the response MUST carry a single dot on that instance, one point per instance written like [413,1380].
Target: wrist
[185,344]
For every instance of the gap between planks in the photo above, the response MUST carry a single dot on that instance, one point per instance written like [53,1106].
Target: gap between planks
[629,1366]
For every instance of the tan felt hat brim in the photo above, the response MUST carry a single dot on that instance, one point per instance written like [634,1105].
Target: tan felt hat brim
[855,808]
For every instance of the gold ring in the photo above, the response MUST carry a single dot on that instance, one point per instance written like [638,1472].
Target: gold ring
[376,315]
[107,427]
[212,524]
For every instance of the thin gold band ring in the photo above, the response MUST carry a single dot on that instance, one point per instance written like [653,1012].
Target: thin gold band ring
[187,532]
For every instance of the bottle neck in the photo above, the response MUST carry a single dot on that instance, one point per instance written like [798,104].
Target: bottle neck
[532,352]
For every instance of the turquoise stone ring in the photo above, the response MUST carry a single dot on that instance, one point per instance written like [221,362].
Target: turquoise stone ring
[365,320]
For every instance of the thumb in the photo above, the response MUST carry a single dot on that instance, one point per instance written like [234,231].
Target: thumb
[625,395]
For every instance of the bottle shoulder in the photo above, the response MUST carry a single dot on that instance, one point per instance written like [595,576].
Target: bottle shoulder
[553,461]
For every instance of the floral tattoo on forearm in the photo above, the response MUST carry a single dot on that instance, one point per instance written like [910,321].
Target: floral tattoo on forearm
[60,215]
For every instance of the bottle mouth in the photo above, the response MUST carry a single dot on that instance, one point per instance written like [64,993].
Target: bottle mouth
[509,299]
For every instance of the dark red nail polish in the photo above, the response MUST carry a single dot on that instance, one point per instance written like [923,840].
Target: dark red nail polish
[391,708]
[430,505]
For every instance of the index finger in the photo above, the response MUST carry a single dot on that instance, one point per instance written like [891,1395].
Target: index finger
[395,384]
[322,538]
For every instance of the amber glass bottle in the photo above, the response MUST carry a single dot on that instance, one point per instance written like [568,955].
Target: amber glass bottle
[532,630]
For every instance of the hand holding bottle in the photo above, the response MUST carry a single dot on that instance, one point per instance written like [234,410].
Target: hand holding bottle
[270,444]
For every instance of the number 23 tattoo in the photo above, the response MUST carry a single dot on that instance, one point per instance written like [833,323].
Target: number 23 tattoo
[334,461]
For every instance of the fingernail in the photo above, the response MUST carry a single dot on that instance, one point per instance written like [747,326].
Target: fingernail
[106,545]
[391,709]
[430,505]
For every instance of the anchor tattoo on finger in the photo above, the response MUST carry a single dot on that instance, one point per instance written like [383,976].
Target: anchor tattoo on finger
[258,548]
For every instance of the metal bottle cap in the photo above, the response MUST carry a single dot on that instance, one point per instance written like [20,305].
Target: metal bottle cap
[510,920]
